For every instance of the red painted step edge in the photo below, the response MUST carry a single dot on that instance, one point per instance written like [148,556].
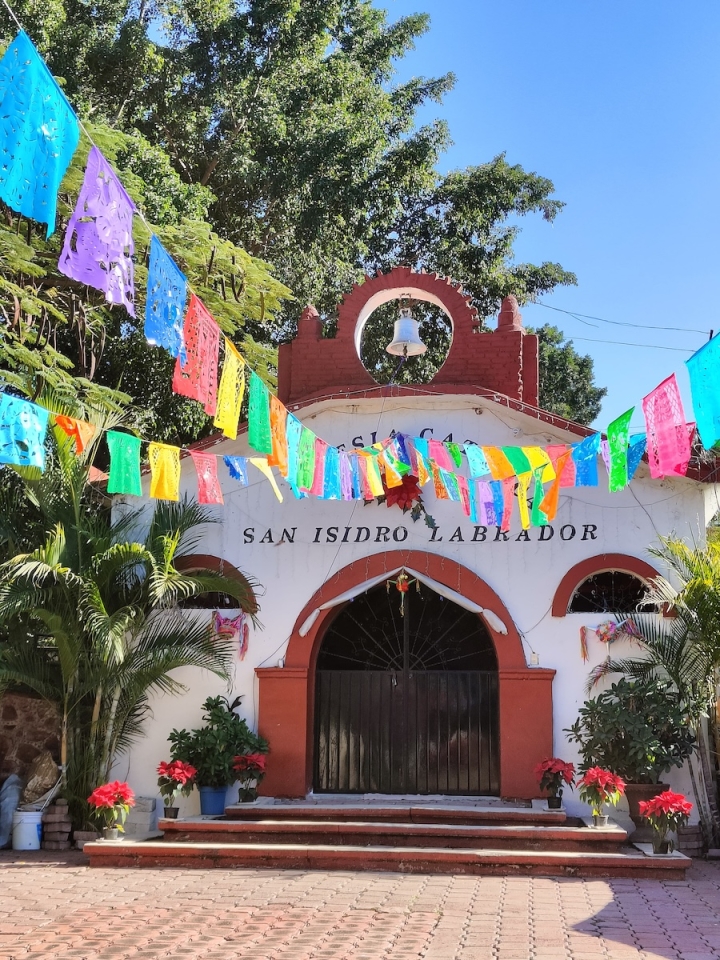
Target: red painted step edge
[402,860]
[393,814]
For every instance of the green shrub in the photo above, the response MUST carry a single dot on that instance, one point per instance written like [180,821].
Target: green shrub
[638,730]
[211,749]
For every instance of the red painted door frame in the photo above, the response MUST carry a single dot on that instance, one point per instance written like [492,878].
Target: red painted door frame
[287,694]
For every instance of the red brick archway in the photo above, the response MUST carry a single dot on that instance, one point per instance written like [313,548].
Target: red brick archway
[286,698]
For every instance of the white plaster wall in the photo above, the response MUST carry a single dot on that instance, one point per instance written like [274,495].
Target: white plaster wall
[524,574]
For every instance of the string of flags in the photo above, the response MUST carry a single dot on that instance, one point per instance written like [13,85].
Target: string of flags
[39,137]
[496,477]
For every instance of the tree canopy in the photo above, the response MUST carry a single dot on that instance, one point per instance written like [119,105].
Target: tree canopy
[280,126]
[567,378]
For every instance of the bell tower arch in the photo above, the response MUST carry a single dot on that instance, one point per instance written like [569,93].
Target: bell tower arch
[504,360]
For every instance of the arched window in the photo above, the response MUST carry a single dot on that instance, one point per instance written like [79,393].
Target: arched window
[210,601]
[606,583]
[612,591]
[216,601]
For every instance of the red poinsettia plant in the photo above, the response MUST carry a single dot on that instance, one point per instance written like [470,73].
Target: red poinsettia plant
[250,768]
[553,774]
[174,778]
[408,496]
[112,802]
[598,787]
[667,811]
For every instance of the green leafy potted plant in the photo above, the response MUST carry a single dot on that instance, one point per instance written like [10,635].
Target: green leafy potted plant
[212,750]
[638,730]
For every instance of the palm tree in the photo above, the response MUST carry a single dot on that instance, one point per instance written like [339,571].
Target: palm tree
[91,613]
[683,646]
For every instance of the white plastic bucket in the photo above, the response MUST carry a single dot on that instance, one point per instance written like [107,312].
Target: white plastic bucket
[27,829]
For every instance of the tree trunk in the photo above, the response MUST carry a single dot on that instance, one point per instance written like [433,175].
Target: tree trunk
[709,783]
[106,754]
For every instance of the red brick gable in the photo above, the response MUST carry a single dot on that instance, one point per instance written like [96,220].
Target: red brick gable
[504,361]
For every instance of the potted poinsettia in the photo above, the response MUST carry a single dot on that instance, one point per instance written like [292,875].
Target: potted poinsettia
[176,777]
[112,802]
[250,770]
[666,812]
[599,787]
[553,774]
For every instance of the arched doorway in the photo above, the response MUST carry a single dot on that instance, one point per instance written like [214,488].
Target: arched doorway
[406,698]
[286,693]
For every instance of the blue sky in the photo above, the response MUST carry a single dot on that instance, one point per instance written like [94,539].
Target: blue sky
[616,103]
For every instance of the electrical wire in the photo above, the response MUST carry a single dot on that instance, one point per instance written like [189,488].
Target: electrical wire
[582,317]
[620,343]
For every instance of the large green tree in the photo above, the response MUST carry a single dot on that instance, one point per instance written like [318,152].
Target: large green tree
[291,114]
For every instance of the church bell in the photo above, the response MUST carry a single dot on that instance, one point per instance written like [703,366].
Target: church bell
[406,339]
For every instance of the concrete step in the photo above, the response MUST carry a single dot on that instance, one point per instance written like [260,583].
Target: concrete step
[574,835]
[628,862]
[395,813]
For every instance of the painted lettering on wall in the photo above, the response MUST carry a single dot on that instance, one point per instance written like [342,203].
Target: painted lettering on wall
[466,533]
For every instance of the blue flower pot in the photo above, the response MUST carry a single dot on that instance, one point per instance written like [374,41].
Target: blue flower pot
[212,800]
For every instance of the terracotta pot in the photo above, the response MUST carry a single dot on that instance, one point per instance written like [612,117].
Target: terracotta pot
[171,813]
[636,792]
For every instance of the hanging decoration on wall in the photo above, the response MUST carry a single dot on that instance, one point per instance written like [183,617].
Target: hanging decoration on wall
[402,584]
[23,426]
[704,370]
[164,471]
[278,420]
[79,430]
[196,377]
[618,441]
[585,455]
[607,632]
[636,451]
[124,463]
[259,429]
[237,468]
[209,490]
[668,436]
[165,303]
[550,501]
[235,629]
[39,133]
[99,246]
[230,392]
[262,465]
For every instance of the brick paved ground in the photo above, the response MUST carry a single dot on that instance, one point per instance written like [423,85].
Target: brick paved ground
[58,908]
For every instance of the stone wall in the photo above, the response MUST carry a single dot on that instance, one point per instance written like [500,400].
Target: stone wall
[28,725]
